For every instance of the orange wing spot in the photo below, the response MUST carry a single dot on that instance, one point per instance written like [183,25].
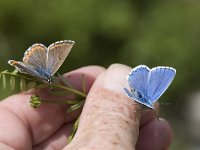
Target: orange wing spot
[13,62]
[29,53]
[25,59]
[34,49]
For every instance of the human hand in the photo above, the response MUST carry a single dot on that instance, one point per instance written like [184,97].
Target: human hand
[109,119]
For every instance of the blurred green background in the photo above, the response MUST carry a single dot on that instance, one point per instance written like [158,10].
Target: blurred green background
[131,32]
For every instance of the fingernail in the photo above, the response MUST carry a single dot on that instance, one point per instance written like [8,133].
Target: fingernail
[115,77]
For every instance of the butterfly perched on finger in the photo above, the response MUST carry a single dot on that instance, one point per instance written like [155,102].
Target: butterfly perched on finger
[147,85]
[43,62]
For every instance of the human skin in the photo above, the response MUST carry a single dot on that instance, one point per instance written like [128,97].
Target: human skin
[109,120]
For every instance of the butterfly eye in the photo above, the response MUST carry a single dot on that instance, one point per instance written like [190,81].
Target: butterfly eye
[49,80]
[132,90]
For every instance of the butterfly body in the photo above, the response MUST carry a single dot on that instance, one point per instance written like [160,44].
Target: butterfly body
[147,85]
[42,62]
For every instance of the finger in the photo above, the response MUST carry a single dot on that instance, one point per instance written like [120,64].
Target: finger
[56,141]
[89,73]
[149,114]
[155,135]
[109,119]
[35,125]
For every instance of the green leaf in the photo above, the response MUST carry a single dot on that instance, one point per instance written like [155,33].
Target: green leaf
[4,81]
[31,85]
[83,84]
[60,93]
[22,84]
[41,86]
[5,71]
[75,106]
[72,101]
[12,83]
[75,127]
[15,71]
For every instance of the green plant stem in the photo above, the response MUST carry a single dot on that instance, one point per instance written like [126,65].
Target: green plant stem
[71,102]
[75,127]
[69,89]
[54,85]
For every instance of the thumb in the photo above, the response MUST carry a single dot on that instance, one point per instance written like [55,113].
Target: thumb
[109,119]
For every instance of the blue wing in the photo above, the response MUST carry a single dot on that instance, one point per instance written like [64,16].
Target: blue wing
[134,96]
[159,80]
[138,79]
[129,94]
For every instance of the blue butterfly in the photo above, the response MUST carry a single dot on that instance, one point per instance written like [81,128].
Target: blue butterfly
[147,85]
[42,62]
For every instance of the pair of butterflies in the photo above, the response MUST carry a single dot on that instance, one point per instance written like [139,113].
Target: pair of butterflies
[146,85]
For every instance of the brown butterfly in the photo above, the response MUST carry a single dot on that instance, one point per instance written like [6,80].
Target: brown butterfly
[42,62]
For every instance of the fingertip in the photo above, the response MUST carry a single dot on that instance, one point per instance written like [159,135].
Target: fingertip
[121,66]
[114,78]
[155,135]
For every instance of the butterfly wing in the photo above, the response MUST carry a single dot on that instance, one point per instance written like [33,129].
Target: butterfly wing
[34,62]
[56,55]
[134,97]
[138,78]
[159,80]
[36,56]
[25,69]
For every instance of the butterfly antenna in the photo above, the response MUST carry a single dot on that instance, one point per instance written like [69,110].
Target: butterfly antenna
[167,104]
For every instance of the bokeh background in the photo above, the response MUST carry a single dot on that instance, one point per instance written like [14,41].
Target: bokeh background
[131,32]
